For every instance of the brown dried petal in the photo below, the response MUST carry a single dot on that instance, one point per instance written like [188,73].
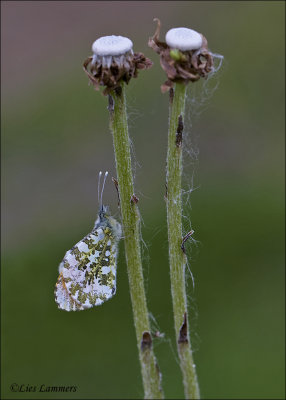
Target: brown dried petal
[167,86]
[154,41]
[112,77]
[168,66]
[187,75]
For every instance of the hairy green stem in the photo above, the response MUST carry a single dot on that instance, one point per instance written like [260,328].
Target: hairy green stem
[131,226]
[177,256]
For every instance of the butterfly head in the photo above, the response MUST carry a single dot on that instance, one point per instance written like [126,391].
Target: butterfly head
[104,219]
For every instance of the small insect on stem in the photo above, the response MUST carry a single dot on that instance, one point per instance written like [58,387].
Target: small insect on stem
[158,334]
[134,199]
[185,238]
[146,342]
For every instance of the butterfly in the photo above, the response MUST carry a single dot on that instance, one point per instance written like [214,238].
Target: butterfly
[87,273]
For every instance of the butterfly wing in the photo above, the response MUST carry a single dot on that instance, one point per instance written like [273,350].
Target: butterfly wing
[63,297]
[88,271]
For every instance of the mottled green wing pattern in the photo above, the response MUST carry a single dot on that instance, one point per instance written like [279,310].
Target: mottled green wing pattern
[63,298]
[88,271]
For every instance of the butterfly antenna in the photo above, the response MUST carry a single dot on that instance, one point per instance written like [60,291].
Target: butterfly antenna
[98,185]
[105,176]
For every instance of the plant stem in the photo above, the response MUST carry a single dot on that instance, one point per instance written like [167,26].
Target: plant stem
[176,254]
[131,225]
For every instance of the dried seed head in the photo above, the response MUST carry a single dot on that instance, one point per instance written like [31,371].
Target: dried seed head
[183,39]
[109,50]
[113,61]
[112,46]
[184,57]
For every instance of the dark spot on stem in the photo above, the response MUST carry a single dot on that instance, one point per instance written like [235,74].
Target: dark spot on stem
[183,335]
[179,134]
[146,342]
[166,191]
[134,199]
[116,187]
[110,106]
[171,95]
[118,91]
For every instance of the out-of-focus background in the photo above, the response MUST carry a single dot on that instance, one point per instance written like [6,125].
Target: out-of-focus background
[55,139]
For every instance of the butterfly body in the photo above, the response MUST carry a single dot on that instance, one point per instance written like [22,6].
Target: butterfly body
[87,273]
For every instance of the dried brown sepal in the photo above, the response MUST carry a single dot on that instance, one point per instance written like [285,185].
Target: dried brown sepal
[179,133]
[183,335]
[146,341]
[186,66]
[112,76]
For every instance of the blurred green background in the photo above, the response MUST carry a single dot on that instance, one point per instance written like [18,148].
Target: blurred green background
[55,139]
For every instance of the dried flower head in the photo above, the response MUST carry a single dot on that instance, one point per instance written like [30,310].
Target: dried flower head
[184,57]
[113,61]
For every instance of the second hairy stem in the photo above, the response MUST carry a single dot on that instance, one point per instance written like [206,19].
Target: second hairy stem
[131,232]
[177,256]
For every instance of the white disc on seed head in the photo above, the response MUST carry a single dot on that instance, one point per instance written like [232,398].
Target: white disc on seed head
[183,39]
[112,46]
